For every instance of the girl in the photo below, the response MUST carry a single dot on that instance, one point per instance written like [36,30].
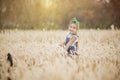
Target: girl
[71,42]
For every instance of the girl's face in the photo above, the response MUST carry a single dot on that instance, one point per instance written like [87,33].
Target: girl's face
[72,28]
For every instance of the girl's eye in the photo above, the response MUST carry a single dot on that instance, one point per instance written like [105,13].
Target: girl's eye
[73,27]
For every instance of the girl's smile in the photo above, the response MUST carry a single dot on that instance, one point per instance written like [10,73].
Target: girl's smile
[72,28]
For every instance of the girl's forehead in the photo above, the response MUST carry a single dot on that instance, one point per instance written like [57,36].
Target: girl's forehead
[73,24]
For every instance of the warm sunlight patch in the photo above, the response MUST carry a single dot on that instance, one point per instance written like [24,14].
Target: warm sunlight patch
[48,3]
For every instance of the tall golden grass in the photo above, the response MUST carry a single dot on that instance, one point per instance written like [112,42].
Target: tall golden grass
[38,56]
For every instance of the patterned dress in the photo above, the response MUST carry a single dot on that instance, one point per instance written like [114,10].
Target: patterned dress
[73,48]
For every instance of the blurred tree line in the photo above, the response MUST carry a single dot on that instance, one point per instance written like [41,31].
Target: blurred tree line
[56,14]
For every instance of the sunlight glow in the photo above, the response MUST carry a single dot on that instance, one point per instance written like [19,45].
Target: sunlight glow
[48,3]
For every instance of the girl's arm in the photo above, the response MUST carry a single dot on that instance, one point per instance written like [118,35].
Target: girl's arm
[70,43]
[77,47]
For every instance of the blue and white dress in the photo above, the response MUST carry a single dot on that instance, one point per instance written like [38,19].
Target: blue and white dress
[73,48]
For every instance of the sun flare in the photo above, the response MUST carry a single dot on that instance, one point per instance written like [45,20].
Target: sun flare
[48,3]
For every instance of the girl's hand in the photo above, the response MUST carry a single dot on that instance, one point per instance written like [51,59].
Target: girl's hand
[62,45]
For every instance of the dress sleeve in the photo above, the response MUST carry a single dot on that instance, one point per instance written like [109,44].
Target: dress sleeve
[75,37]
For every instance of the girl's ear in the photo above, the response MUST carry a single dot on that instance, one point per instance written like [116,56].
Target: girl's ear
[77,27]
[68,25]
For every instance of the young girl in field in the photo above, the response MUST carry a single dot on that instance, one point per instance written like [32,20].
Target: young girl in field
[71,42]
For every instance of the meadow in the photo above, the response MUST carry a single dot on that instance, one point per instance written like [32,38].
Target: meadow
[37,55]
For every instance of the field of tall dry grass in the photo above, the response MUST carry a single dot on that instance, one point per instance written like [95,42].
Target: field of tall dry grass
[37,55]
